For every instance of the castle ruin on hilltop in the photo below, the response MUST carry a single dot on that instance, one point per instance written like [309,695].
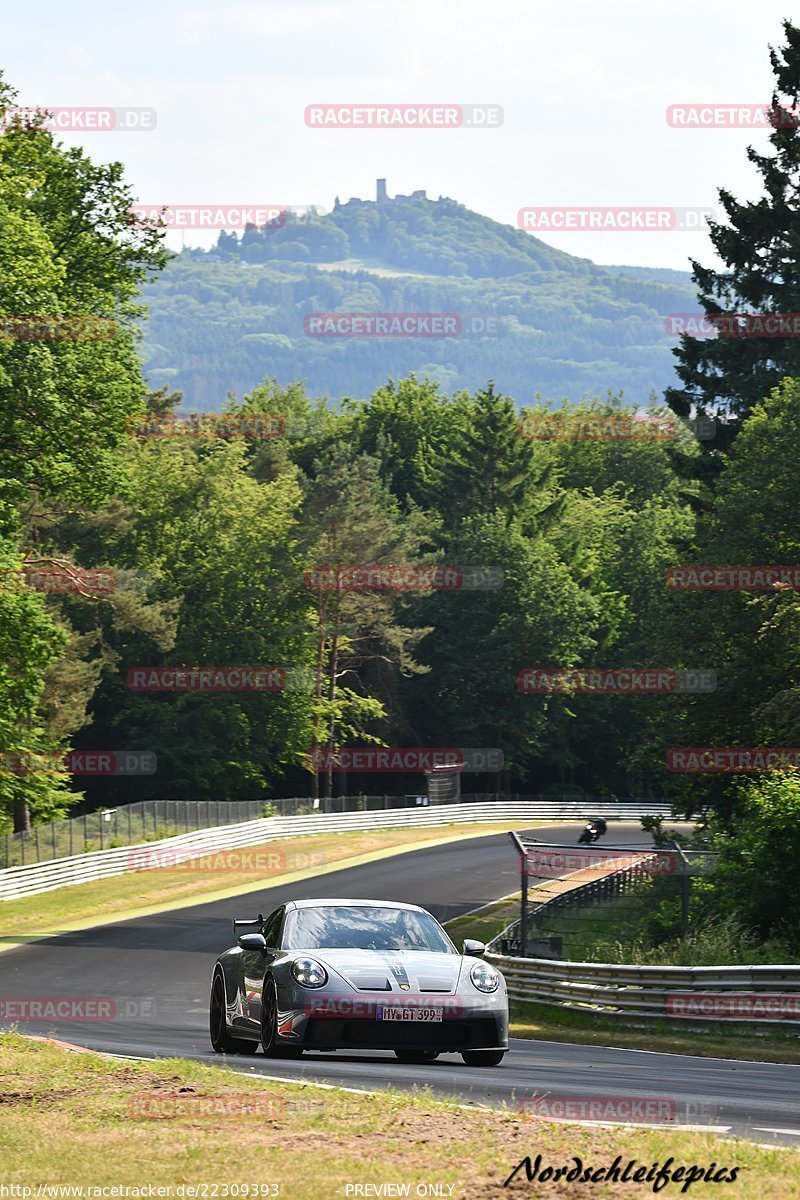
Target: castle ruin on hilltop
[382,197]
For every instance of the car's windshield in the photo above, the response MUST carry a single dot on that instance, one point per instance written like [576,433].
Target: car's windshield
[330,927]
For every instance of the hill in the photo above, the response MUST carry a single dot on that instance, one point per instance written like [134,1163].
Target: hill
[531,317]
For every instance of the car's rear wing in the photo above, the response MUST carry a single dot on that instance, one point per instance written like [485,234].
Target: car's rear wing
[259,920]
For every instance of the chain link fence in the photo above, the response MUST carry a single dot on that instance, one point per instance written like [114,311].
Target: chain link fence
[151,820]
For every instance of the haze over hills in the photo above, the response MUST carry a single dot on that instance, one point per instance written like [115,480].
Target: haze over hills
[531,317]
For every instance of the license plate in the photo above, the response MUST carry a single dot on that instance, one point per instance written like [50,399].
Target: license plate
[409,1014]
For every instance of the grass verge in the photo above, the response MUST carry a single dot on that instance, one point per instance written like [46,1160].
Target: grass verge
[79,1119]
[552,1024]
[217,875]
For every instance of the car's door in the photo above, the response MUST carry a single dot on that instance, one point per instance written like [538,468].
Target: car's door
[254,964]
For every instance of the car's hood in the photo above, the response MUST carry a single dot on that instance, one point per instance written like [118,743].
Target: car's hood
[388,970]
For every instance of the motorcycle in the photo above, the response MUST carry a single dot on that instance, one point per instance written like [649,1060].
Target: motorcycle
[592,831]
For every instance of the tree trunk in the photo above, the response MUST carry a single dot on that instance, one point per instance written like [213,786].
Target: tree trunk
[22,818]
[321,641]
[332,732]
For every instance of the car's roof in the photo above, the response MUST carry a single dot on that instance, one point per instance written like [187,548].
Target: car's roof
[350,903]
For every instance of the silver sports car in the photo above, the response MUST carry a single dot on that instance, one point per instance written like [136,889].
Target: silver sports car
[357,975]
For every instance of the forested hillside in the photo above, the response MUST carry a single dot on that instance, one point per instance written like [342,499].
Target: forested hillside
[533,318]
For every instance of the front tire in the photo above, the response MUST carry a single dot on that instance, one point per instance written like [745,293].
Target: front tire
[483,1058]
[272,1047]
[222,1040]
[416,1056]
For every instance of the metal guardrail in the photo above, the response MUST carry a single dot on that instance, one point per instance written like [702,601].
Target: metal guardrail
[44,877]
[752,995]
[762,995]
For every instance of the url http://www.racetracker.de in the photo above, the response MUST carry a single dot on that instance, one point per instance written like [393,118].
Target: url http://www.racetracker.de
[144,1191]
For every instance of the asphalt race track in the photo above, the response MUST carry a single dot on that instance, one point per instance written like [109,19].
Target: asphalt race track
[157,971]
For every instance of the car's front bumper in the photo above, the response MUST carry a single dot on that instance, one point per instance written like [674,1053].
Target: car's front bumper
[351,1022]
[479,1033]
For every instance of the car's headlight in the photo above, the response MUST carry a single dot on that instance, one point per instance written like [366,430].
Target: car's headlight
[309,973]
[484,977]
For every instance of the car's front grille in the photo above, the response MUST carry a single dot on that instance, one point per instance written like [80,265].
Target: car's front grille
[406,1035]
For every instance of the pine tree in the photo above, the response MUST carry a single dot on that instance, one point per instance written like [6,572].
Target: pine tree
[489,466]
[724,376]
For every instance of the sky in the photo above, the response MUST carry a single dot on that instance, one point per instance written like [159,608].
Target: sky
[584,89]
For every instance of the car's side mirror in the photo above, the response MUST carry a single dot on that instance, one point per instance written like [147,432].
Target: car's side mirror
[253,941]
[476,949]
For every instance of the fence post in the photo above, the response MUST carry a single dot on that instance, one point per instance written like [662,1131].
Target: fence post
[523,923]
[38,852]
[685,884]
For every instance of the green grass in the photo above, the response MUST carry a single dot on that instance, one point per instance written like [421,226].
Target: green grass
[81,1119]
[548,1024]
